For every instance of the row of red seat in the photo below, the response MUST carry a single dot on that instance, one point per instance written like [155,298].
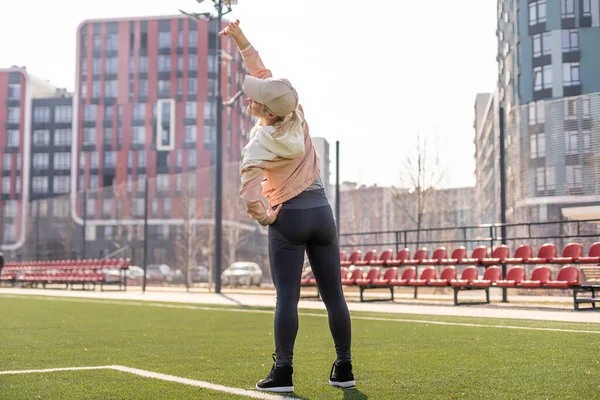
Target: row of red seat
[61,278]
[567,277]
[88,264]
[547,254]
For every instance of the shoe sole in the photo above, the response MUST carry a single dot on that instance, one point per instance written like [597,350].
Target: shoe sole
[343,385]
[281,389]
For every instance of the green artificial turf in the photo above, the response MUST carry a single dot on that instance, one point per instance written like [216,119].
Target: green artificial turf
[395,358]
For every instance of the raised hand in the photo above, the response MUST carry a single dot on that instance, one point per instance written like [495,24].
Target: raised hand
[232,29]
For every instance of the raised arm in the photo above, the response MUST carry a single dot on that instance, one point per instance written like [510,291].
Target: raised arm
[251,58]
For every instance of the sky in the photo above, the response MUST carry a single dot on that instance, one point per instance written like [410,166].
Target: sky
[373,75]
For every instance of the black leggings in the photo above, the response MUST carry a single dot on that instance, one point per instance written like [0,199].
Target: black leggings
[294,232]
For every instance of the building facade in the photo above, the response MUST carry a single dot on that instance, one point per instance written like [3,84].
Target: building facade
[145,112]
[549,87]
[18,89]
[487,158]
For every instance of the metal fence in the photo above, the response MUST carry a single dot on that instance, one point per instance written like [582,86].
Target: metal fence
[167,220]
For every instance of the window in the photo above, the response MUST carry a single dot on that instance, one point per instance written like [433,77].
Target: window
[570,108]
[41,138]
[138,135]
[61,184]
[191,158]
[96,66]
[41,114]
[90,208]
[586,8]
[89,136]
[164,63]
[107,208]
[143,64]
[162,182]
[166,207]
[191,109]
[141,182]
[545,178]
[143,88]
[585,107]
[14,91]
[164,87]
[139,112]
[587,141]
[62,137]
[192,86]
[180,39]
[537,12]
[542,44]
[111,65]
[14,115]
[18,185]
[164,40]
[141,159]
[112,41]
[40,184]
[137,207]
[110,159]
[537,113]
[190,134]
[210,134]
[192,62]
[180,86]
[90,112]
[542,77]
[574,176]
[84,67]
[95,89]
[12,138]
[62,114]
[94,159]
[6,183]
[192,38]
[209,111]
[567,9]
[212,63]
[10,209]
[6,162]
[179,63]
[165,125]
[108,135]
[571,142]
[110,88]
[570,40]
[10,232]
[94,182]
[571,74]
[62,161]
[129,159]
[41,161]
[97,43]
[537,145]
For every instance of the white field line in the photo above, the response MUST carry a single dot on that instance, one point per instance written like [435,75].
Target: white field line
[162,377]
[205,308]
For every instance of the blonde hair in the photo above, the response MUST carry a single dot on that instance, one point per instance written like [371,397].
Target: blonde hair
[290,122]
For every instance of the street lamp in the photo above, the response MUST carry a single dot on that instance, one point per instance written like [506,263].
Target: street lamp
[220,5]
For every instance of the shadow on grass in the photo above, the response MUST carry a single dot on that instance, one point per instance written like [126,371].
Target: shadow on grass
[354,394]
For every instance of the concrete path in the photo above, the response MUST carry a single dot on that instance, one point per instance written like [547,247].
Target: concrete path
[559,308]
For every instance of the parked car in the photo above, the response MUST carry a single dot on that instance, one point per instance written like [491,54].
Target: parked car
[242,273]
[199,274]
[159,273]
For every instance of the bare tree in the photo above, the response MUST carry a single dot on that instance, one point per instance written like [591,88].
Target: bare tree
[191,238]
[421,176]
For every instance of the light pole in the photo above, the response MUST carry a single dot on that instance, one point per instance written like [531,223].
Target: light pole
[219,5]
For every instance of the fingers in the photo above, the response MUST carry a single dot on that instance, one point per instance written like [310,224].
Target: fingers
[230,29]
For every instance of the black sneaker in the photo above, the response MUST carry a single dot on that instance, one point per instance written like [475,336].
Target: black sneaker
[341,375]
[279,380]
